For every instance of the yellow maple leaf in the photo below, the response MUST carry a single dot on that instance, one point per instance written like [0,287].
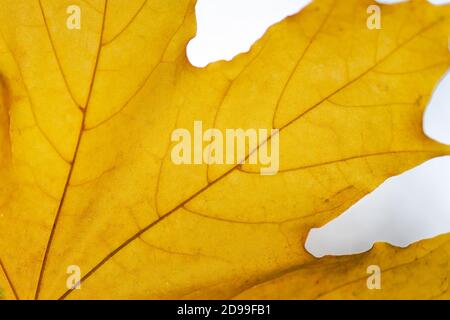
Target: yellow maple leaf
[87,178]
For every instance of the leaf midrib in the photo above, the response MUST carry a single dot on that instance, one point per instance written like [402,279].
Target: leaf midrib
[75,154]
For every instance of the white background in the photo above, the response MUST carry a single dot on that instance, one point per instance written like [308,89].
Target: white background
[405,209]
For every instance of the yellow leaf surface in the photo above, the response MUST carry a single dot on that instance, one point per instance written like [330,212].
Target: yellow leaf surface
[417,272]
[86,118]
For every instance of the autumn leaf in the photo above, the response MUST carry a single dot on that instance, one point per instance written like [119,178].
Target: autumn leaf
[86,117]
